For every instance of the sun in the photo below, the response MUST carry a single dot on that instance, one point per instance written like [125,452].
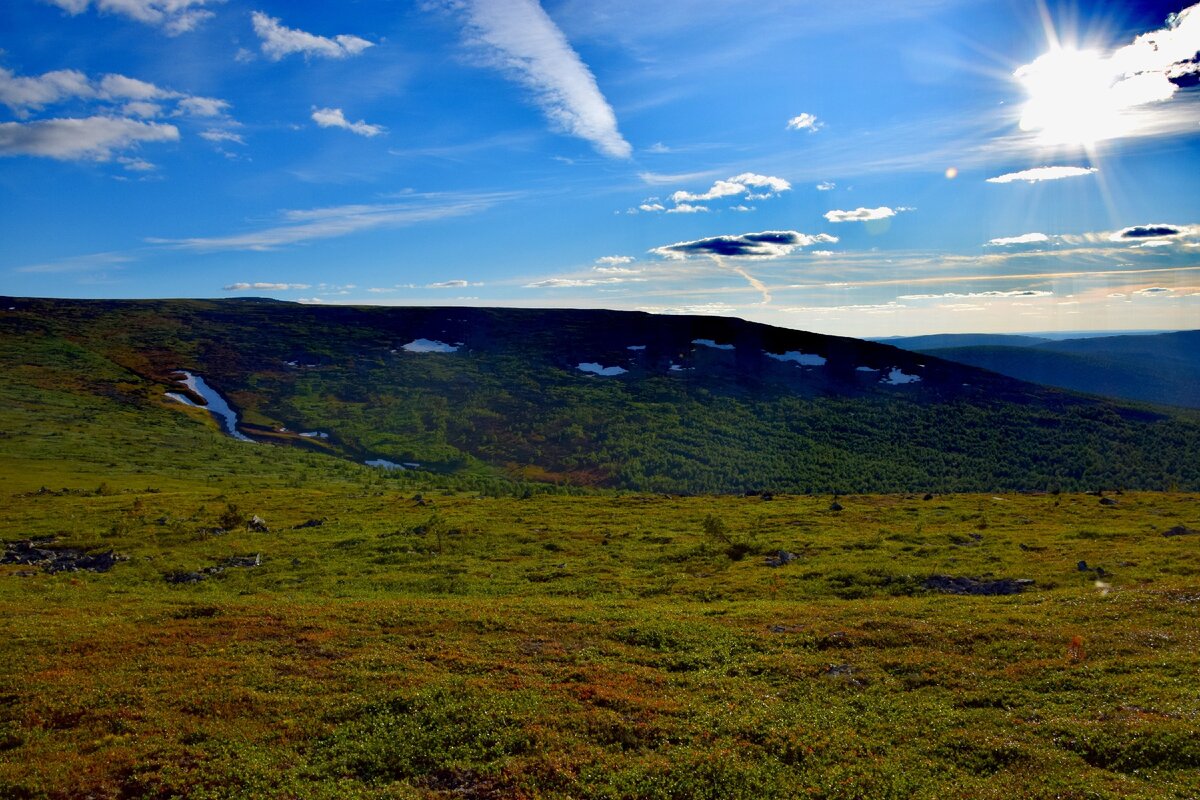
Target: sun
[1071,98]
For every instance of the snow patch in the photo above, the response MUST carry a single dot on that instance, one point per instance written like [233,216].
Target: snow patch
[591,366]
[314,435]
[803,359]
[383,463]
[216,404]
[712,344]
[429,346]
[898,376]
[866,369]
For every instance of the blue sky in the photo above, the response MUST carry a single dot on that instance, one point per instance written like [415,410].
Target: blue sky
[863,168]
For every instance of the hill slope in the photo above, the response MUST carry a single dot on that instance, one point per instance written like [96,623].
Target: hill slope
[620,399]
[1160,368]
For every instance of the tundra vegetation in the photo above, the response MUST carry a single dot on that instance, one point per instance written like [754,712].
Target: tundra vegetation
[185,615]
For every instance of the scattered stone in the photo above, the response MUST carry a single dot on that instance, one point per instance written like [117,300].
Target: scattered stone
[258,525]
[1082,566]
[952,585]
[39,553]
[927,497]
[1181,530]
[783,628]
[204,574]
[839,671]
[1107,501]
[244,561]
[312,523]
[835,506]
[779,558]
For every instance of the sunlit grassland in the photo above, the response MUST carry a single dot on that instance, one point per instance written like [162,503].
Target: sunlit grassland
[601,646]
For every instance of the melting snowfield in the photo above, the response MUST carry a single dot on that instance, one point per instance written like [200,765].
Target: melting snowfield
[711,343]
[429,346]
[803,359]
[591,366]
[383,463]
[898,376]
[216,404]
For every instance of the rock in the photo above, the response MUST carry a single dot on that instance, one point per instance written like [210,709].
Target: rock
[258,525]
[1181,530]
[39,553]
[1082,566]
[244,561]
[767,496]
[1107,501]
[779,558]
[976,586]
[927,497]
[312,523]
[835,506]
[839,671]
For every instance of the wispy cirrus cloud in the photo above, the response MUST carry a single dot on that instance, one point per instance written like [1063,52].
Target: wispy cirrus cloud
[335,118]
[172,16]
[1038,174]
[520,38]
[306,225]
[274,287]
[573,283]
[279,41]
[1015,293]
[864,214]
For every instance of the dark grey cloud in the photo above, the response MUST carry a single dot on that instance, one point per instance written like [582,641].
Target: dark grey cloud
[1150,231]
[765,244]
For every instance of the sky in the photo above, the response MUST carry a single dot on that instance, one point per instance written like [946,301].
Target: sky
[862,168]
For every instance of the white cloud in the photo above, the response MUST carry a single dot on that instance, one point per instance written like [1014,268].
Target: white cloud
[136,164]
[1024,238]
[825,186]
[651,207]
[1155,291]
[91,138]
[279,40]
[877,308]
[1043,174]
[616,270]
[122,87]
[686,208]
[864,214]
[615,260]
[173,16]
[702,308]
[275,287]
[455,284]
[140,108]
[25,94]
[214,135]
[804,122]
[334,118]
[202,107]
[520,38]
[743,184]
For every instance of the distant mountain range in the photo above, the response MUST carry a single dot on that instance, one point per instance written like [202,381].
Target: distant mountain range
[1159,368]
[581,397]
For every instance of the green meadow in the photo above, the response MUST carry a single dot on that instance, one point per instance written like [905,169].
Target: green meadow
[601,645]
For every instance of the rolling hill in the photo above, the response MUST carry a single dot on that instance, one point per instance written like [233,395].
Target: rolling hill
[568,397]
[1159,368]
